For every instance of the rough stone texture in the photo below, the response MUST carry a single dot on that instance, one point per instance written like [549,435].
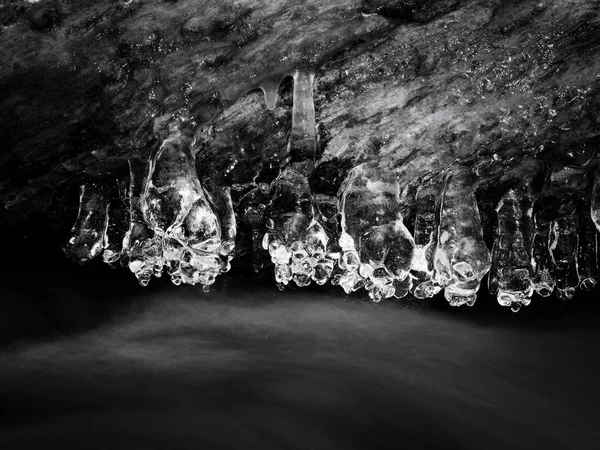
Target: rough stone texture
[410,86]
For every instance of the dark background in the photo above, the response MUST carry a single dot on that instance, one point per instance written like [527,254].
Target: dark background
[91,360]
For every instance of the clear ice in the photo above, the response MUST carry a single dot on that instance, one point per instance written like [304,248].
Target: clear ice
[564,241]
[461,257]
[142,250]
[595,202]
[377,249]
[86,239]
[118,222]
[425,236]
[587,252]
[556,226]
[178,210]
[270,86]
[295,240]
[303,137]
[512,268]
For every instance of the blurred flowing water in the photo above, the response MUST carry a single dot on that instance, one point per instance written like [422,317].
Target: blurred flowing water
[247,366]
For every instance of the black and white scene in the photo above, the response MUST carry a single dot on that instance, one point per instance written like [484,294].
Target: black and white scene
[299,224]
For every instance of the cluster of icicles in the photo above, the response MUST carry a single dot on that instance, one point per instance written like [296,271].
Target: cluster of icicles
[166,220]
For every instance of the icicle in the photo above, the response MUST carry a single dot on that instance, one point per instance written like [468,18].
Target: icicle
[595,201]
[512,260]
[563,248]
[270,88]
[425,235]
[376,246]
[174,202]
[555,212]
[141,248]
[290,210]
[88,231]
[587,251]
[118,223]
[220,197]
[461,257]
[251,209]
[294,240]
[303,137]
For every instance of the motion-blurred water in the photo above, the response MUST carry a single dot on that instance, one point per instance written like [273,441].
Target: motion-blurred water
[252,368]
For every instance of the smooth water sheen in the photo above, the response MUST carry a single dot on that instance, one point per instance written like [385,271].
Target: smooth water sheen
[249,367]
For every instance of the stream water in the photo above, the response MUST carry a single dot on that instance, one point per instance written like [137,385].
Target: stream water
[246,366]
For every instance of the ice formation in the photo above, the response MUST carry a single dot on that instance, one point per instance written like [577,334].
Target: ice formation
[295,240]
[118,221]
[461,257]
[303,136]
[587,252]
[270,86]
[177,209]
[512,268]
[563,248]
[377,249]
[595,201]
[425,236]
[86,240]
[170,220]
[555,239]
[142,250]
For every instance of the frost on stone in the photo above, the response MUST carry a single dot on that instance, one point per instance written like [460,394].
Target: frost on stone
[461,257]
[512,269]
[564,241]
[425,236]
[376,247]
[86,239]
[118,222]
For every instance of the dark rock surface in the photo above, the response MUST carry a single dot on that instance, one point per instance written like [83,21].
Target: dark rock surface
[411,86]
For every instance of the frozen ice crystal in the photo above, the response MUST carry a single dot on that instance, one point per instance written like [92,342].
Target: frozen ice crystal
[303,137]
[461,257]
[86,240]
[118,222]
[512,260]
[374,241]
[563,248]
[425,236]
[587,251]
[595,201]
[554,214]
[142,249]
[174,202]
[251,209]
[270,86]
